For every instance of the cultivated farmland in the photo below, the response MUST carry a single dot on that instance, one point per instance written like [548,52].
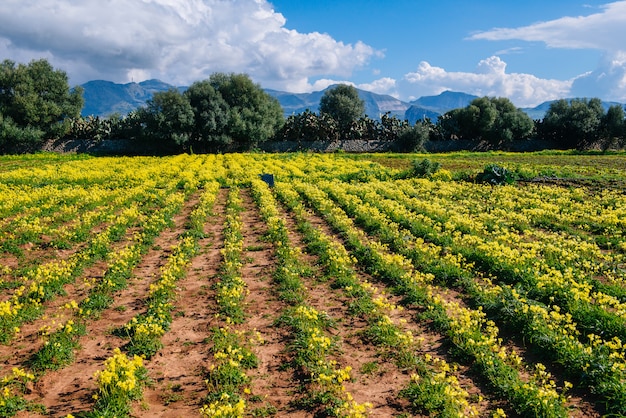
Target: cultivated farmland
[187,286]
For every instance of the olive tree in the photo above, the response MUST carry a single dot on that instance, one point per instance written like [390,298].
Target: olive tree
[211,117]
[491,119]
[573,124]
[168,119]
[614,127]
[253,115]
[37,98]
[343,104]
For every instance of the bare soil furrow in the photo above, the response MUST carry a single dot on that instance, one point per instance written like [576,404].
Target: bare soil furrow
[70,390]
[380,388]
[177,370]
[272,384]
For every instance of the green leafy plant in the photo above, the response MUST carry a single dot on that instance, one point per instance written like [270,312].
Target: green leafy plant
[58,350]
[495,174]
[424,168]
[120,383]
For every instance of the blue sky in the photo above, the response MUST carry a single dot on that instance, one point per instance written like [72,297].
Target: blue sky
[528,51]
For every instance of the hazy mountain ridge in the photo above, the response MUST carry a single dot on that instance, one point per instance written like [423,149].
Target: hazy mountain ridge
[103,98]
[375,104]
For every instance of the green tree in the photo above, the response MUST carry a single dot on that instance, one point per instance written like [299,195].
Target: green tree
[168,119]
[614,127]
[495,120]
[573,124]
[344,105]
[36,97]
[211,117]
[511,124]
[254,115]
[15,139]
[413,138]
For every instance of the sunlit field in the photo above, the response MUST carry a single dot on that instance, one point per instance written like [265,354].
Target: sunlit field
[340,285]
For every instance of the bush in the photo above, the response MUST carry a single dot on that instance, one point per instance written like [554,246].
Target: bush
[16,140]
[424,168]
[495,174]
[442,175]
[412,139]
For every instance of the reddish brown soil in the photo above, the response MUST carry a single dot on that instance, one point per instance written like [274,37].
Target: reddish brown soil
[70,390]
[272,383]
[178,370]
[476,387]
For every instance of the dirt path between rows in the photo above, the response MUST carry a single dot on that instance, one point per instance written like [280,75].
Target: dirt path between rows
[177,370]
[272,384]
[70,390]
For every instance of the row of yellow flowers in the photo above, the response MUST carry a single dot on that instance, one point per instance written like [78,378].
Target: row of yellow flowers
[433,387]
[310,345]
[226,380]
[231,289]
[499,365]
[606,380]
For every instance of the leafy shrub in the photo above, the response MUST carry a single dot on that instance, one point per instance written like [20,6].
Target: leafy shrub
[495,174]
[412,139]
[16,139]
[424,168]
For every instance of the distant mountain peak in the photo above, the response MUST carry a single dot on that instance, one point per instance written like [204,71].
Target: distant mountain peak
[445,101]
[103,98]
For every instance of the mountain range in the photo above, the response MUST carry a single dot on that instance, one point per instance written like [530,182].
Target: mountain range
[104,98]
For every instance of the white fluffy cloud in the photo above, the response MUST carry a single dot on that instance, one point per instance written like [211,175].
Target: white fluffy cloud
[605,30]
[385,85]
[608,81]
[178,41]
[489,79]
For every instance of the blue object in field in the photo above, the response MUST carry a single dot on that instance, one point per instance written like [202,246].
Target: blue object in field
[268,178]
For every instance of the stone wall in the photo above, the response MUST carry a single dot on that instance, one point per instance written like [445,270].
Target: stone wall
[386,146]
[104,147]
[130,147]
[328,146]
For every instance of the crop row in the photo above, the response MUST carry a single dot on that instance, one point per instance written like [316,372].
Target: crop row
[593,363]
[468,260]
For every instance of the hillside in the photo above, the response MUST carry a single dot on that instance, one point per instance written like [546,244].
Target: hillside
[104,98]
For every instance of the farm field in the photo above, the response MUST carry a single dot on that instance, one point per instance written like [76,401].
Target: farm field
[187,286]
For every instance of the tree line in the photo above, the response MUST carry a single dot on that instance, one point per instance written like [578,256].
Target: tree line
[229,112]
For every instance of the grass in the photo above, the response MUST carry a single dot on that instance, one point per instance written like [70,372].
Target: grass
[589,166]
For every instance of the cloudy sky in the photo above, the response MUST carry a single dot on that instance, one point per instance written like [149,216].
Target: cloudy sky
[529,51]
